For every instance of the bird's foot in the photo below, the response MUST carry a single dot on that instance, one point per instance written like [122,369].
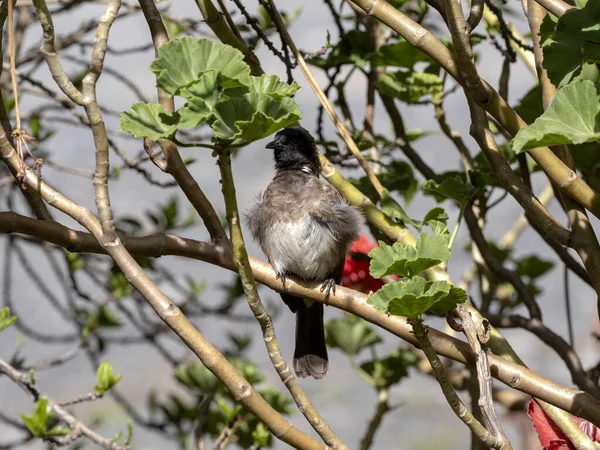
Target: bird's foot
[329,287]
[283,278]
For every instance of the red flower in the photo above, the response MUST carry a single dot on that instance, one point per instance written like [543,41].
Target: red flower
[551,437]
[356,270]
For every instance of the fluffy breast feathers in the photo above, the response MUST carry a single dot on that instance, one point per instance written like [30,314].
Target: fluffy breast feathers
[303,225]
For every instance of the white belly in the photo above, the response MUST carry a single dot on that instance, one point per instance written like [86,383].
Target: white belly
[306,249]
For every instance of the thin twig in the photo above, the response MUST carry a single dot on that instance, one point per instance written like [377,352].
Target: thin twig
[325,102]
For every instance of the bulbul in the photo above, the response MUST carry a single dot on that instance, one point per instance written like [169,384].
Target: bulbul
[304,226]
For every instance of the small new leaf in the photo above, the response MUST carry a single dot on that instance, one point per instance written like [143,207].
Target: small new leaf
[350,334]
[572,118]
[415,296]
[37,424]
[6,320]
[406,260]
[106,379]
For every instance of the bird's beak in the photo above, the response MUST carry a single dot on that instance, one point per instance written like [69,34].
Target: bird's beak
[272,145]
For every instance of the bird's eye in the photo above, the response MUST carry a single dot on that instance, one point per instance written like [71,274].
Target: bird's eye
[283,139]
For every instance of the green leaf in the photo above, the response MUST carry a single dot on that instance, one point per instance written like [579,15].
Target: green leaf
[437,220]
[399,54]
[530,107]
[437,213]
[37,424]
[248,370]
[6,320]
[173,28]
[406,260]
[182,61]
[533,267]
[572,118]
[280,402]
[452,187]
[412,297]
[575,41]
[57,431]
[272,86]
[252,117]
[392,208]
[397,176]
[196,376]
[230,413]
[261,435]
[106,379]
[350,334]
[409,87]
[149,120]
[390,370]
[202,96]
[353,48]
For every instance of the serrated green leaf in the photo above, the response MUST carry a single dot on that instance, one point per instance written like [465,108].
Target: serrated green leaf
[202,96]
[410,87]
[272,86]
[406,260]
[105,377]
[412,297]
[437,213]
[452,187]
[350,334]
[182,61]
[572,118]
[252,117]
[575,41]
[149,120]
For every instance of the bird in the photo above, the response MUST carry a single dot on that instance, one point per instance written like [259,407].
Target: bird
[305,227]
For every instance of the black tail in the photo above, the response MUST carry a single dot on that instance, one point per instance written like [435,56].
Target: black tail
[310,356]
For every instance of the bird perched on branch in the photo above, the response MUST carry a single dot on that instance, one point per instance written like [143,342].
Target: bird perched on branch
[305,227]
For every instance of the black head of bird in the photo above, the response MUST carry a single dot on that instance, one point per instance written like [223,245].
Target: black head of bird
[294,148]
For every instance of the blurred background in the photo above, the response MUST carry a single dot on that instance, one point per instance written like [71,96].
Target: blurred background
[36,283]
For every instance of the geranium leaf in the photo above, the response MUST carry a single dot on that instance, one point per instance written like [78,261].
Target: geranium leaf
[572,118]
[406,260]
[412,297]
[149,120]
[182,61]
[252,117]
